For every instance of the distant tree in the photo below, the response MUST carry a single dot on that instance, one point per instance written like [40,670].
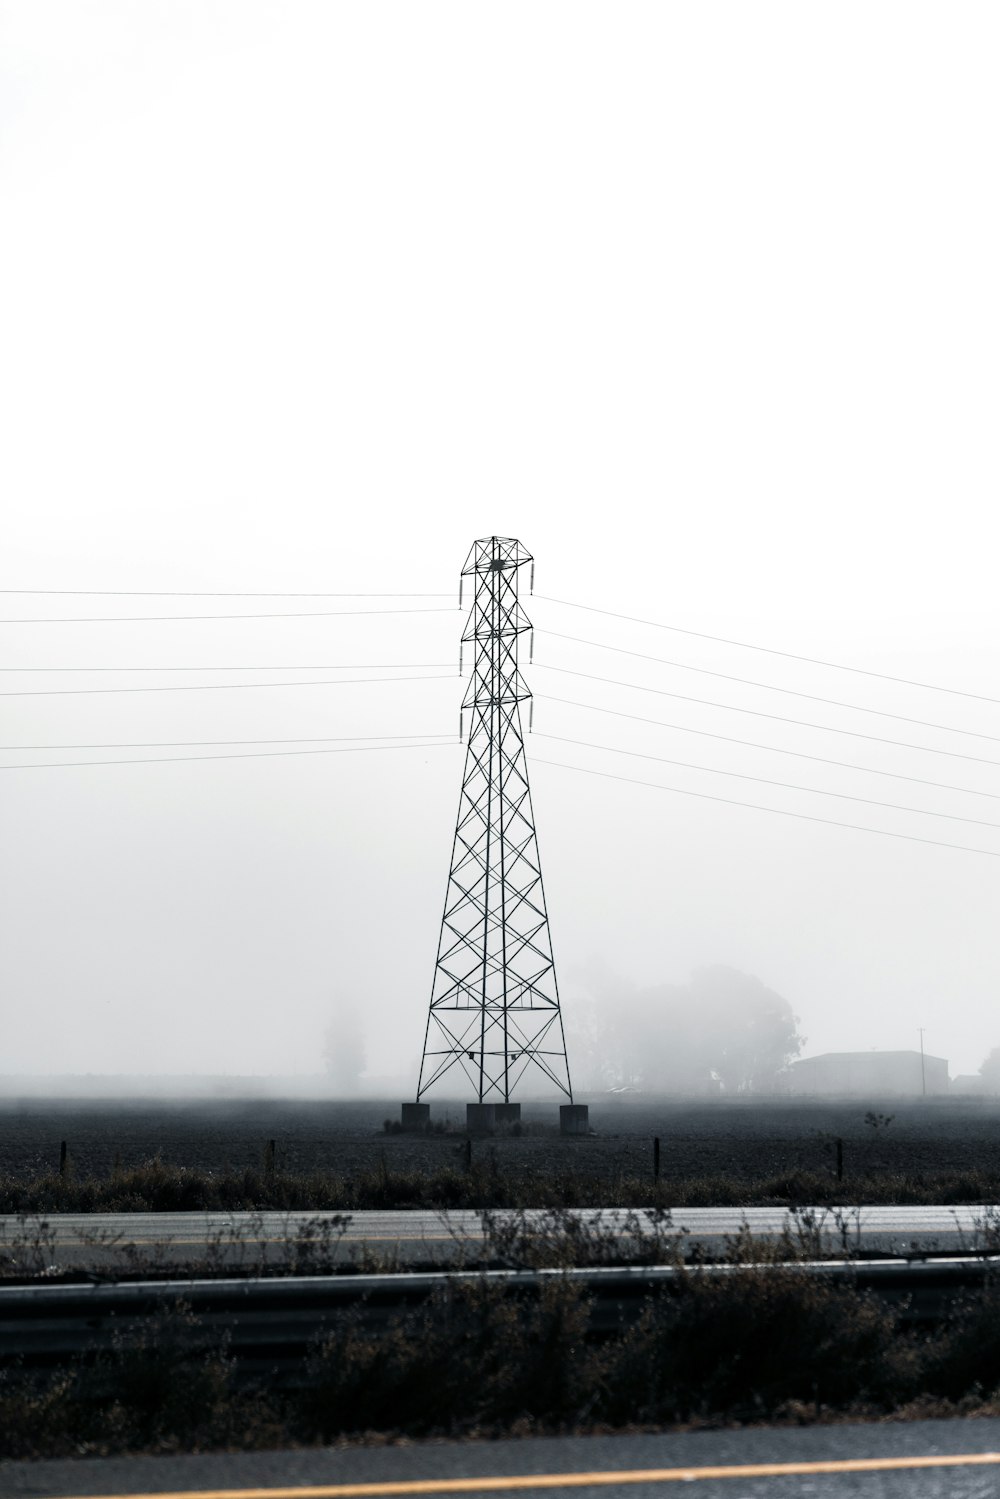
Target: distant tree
[607,1034]
[754,1034]
[725,1030]
[601,1028]
[344,1050]
[990,1071]
[663,1046]
[583,1030]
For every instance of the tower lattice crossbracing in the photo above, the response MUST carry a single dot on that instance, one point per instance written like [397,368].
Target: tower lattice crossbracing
[494,1012]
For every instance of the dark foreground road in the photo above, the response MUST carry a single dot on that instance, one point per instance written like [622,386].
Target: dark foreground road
[916,1460]
[406,1238]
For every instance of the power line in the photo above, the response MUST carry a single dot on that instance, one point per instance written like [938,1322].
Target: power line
[132,619]
[205,593]
[774,749]
[178,759]
[830,702]
[746,645]
[775,811]
[332,666]
[764,781]
[195,743]
[220,686]
[801,723]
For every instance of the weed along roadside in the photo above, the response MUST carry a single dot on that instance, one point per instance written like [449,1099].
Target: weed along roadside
[64,1248]
[764,1343]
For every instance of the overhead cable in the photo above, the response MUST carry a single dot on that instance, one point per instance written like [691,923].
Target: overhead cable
[746,645]
[221,686]
[764,781]
[829,702]
[195,743]
[132,619]
[255,755]
[206,593]
[774,749]
[330,666]
[704,796]
[801,723]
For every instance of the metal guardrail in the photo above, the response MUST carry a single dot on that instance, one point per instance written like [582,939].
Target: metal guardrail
[271,1321]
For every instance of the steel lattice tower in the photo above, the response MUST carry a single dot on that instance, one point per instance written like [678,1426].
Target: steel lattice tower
[494,1010]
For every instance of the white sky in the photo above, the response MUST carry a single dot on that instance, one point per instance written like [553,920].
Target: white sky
[699,301]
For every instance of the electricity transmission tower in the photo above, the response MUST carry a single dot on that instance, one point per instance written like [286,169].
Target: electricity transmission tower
[494,1012]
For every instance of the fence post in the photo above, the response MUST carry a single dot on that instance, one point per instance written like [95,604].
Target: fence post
[269,1157]
[656,1158]
[840,1160]
[62,1158]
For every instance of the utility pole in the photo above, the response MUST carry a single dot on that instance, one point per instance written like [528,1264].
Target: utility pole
[494,1020]
[923,1076]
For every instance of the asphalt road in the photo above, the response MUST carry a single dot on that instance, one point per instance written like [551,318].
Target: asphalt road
[905,1460]
[406,1238]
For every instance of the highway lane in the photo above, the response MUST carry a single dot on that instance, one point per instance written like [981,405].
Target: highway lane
[905,1460]
[403,1238]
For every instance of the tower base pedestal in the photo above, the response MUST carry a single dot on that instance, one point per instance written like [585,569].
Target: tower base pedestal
[416,1117]
[574,1119]
[480,1118]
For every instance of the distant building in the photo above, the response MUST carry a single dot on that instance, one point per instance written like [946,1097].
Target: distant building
[871,1073]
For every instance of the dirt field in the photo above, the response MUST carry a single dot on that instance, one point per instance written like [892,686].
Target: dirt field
[742,1139]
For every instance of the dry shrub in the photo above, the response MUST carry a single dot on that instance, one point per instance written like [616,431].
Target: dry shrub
[964,1356]
[747,1343]
[477,1356]
[758,1343]
[162,1386]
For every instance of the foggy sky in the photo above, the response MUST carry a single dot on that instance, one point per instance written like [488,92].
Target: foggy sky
[699,302]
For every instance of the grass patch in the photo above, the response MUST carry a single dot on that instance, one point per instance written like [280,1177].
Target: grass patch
[158,1187]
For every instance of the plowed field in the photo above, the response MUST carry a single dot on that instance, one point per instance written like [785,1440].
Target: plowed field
[739,1139]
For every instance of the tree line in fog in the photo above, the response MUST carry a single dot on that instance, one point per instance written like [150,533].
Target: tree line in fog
[722,1032]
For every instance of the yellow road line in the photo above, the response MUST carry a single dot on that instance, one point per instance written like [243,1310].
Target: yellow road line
[523,1481]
